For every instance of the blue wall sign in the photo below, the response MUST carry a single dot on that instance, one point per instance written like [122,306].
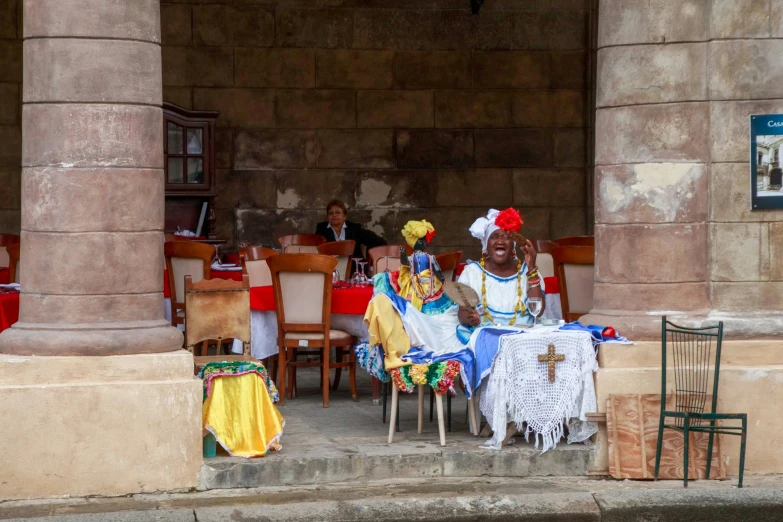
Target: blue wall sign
[766,161]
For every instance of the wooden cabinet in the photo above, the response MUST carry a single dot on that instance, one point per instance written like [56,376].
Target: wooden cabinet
[189,163]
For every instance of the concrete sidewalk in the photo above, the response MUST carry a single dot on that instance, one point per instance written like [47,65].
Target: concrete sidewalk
[441,499]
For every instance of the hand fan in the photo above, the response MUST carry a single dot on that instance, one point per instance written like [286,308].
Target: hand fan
[461,294]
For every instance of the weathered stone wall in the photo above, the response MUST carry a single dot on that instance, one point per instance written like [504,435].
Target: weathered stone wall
[677,81]
[10,115]
[402,109]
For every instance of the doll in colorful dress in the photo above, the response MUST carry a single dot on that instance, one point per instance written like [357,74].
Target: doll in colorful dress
[419,280]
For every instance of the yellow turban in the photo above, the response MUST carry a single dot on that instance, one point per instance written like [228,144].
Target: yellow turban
[415,230]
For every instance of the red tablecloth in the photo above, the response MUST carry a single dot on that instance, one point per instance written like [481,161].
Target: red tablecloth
[4,276]
[215,274]
[351,301]
[9,309]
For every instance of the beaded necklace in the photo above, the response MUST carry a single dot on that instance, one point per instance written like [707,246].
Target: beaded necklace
[517,308]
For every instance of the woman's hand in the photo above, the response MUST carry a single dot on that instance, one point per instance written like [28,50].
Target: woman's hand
[530,254]
[468,316]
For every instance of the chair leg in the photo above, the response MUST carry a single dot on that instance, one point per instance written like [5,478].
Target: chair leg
[659,447]
[448,411]
[205,348]
[432,402]
[393,419]
[472,416]
[325,375]
[686,447]
[292,374]
[743,440]
[385,398]
[352,375]
[338,358]
[709,450]
[281,370]
[441,427]
[420,416]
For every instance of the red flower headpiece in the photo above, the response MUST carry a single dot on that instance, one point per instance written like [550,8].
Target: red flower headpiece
[429,236]
[509,220]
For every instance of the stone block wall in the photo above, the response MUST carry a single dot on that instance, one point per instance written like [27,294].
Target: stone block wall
[10,115]
[677,82]
[403,109]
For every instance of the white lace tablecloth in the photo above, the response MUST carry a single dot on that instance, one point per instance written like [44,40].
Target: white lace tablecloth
[518,389]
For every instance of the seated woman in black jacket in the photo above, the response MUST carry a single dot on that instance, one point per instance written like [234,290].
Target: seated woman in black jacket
[337,228]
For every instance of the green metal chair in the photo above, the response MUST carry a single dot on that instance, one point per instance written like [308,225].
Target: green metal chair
[692,352]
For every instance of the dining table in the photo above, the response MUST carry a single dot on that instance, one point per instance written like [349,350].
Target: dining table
[9,309]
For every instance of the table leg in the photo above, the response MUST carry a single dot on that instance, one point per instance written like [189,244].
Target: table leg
[393,420]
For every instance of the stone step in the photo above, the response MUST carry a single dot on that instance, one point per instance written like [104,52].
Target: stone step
[317,464]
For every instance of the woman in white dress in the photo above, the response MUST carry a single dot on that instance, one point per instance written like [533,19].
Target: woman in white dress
[503,282]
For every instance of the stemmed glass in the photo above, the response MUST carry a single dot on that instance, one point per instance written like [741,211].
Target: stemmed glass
[534,306]
[362,276]
[356,279]
[336,276]
[216,257]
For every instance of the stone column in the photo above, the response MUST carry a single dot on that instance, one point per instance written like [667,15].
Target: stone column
[92,189]
[677,80]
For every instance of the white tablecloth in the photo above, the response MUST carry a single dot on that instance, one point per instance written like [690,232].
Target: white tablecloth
[518,389]
[263,330]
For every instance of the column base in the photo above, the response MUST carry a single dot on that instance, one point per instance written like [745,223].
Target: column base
[750,374]
[91,338]
[77,426]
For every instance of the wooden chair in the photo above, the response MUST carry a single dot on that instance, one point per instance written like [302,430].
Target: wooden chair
[303,297]
[343,250]
[544,260]
[386,257]
[692,353]
[574,267]
[449,261]
[253,261]
[576,241]
[185,258]
[13,251]
[301,243]
[5,240]
[217,309]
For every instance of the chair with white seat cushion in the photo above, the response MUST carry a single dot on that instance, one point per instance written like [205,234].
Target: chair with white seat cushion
[303,298]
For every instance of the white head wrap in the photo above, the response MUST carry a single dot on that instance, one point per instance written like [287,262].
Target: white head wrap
[482,228]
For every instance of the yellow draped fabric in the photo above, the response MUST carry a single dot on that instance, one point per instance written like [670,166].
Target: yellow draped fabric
[385,327]
[415,230]
[423,279]
[241,415]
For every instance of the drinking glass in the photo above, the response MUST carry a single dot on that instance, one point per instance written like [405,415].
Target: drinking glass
[356,279]
[362,276]
[534,305]
[336,277]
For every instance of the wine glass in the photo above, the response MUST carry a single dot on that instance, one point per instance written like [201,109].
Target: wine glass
[216,256]
[336,272]
[362,276]
[534,306]
[356,279]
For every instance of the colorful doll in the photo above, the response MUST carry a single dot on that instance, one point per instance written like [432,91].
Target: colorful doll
[419,280]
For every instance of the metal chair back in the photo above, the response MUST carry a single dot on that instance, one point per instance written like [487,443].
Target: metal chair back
[695,361]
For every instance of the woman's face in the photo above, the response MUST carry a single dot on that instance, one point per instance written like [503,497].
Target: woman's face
[336,216]
[500,247]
